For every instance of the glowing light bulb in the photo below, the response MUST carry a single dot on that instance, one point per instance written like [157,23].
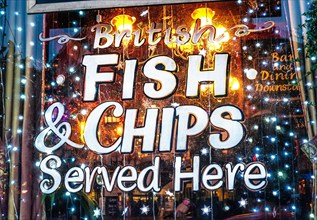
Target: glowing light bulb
[123,22]
[234,83]
[205,16]
[119,130]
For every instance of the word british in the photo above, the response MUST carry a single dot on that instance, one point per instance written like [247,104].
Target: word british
[105,35]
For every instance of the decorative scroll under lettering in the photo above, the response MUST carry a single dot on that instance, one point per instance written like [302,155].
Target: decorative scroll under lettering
[62,38]
[243,30]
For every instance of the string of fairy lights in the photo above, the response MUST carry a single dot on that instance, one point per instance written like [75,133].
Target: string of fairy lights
[281,138]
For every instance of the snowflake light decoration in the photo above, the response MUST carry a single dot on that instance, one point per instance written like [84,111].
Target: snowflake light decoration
[203,52]
[169,193]
[145,209]
[206,210]
[204,151]
[174,104]
[97,212]
[243,202]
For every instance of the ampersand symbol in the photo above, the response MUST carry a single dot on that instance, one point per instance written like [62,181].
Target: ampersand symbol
[62,131]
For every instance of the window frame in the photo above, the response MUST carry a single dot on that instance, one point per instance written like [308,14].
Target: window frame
[34,7]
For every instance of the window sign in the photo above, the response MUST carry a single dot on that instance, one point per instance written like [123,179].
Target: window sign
[153,112]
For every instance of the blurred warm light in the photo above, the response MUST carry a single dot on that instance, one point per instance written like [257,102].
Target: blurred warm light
[206,87]
[82,129]
[222,31]
[234,83]
[123,22]
[205,16]
[119,130]
[202,17]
